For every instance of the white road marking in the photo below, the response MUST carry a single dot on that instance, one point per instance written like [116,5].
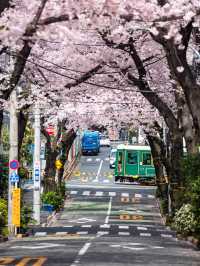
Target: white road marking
[138,195]
[145,234]
[102,233]
[86,226]
[99,170]
[164,235]
[82,232]
[39,246]
[123,233]
[136,246]
[105,226]
[112,194]
[89,159]
[123,227]
[40,233]
[61,233]
[125,194]
[86,193]
[99,193]
[107,159]
[98,159]
[151,196]
[68,226]
[119,187]
[109,210]
[141,228]
[106,181]
[73,192]
[84,249]
[82,220]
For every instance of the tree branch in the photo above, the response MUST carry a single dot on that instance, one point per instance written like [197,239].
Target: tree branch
[85,76]
[51,20]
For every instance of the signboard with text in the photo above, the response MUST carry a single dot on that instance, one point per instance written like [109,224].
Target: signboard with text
[16,193]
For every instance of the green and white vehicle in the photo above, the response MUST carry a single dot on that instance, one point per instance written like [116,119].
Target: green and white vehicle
[134,163]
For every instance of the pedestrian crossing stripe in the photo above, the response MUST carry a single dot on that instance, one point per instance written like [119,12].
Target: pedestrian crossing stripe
[108,229]
[112,194]
[78,173]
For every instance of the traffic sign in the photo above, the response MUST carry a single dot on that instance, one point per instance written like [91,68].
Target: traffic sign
[14,177]
[16,193]
[58,164]
[50,130]
[14,164]
[37,171]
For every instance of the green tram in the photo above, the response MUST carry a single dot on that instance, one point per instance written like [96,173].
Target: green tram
[134,163]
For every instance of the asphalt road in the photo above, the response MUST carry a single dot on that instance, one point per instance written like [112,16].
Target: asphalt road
[103,224]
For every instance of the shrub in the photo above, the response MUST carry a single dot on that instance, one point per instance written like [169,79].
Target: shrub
[3,214]
[53,198]
[26,217]
[184,220]
[191,167]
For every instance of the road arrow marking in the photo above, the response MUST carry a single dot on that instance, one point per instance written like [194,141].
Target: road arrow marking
[40,246]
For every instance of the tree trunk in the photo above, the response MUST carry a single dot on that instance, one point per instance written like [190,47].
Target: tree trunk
[176,157]
[1,123]
[67,142]
[156,150]
[22,122]
[4,4]
[50,169]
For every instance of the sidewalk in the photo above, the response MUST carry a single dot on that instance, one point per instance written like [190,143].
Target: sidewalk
[28,200]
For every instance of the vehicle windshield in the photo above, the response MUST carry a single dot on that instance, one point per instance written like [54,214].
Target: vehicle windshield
[113,154]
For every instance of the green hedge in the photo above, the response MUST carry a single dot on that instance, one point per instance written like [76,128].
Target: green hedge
[53,198]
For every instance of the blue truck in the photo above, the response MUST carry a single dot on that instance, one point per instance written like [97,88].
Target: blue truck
[90,142]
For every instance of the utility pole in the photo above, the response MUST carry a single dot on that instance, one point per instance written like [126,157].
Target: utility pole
[167,179]
[13,153]
[37,166]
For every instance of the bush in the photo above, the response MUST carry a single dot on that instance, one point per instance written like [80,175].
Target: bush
[23,172]
[191,168]
[184,220]
[26,217]
[53,198]
[3,214]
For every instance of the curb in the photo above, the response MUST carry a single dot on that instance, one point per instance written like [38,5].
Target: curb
[3,239]
[191,239]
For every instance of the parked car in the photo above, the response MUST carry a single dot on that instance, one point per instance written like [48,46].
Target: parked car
[113,158]
[104,141]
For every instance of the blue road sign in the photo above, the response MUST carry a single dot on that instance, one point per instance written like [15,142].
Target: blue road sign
[14,165]
[14,177]
[37,174]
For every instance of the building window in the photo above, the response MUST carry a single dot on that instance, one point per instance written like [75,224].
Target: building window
[146,159]
[132,158]
[120,157]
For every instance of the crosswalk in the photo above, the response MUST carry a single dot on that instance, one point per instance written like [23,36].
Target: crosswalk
[106,229]
[96,159]
[110,194]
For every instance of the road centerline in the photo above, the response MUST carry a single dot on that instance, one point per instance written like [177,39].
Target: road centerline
[99,170]
[109,211]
